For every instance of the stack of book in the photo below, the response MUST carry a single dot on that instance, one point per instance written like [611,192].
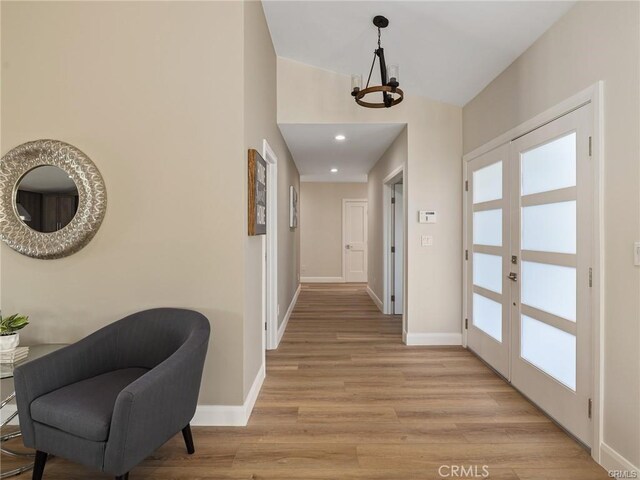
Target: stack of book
[14,356]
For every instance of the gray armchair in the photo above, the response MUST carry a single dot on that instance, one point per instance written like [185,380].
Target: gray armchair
[113,398]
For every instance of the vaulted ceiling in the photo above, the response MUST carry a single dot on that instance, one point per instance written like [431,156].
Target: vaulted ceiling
[447,50]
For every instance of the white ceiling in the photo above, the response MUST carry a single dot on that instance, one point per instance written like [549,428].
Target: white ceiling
[447,51]
[315,149]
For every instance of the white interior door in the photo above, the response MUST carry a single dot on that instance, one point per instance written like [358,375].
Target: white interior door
[354,232]
[551,236]
[529,207]
[488,293]
[398,250]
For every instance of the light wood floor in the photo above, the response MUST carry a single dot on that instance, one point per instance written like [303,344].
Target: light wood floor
[345,399]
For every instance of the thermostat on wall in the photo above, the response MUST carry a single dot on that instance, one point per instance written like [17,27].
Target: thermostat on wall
[427,216]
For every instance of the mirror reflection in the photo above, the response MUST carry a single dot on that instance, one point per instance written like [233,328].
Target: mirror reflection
[46,199]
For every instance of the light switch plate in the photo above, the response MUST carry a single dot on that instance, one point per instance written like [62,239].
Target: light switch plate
[426,240]
[636,254]
[426,216]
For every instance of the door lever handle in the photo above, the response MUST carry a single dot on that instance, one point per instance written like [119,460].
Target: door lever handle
[513,277]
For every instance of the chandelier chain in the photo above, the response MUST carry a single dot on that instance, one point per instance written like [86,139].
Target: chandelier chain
[375,54]
[371,69]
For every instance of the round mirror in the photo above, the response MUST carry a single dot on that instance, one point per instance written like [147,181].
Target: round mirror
[46,199]
[52,199]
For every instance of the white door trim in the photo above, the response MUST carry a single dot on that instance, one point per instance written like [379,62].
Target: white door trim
[270,310]
[344,238]
[593,95]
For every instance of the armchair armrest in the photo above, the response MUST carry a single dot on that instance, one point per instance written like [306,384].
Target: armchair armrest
[149,411]
[87,358]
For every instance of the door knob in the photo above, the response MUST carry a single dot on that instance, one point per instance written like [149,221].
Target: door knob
[513,277]
[347,247]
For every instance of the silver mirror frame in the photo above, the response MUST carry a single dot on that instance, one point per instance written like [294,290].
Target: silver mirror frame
[92,202]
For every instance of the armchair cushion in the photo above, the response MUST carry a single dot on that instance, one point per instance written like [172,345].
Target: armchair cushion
[84,408]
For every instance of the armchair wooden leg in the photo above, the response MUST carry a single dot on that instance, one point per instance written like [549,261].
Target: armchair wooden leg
[123,477]
[38,466]
[188,439]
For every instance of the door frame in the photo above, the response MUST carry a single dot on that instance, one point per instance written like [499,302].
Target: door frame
[344,239]
[387,239]
[397,225]
[593,95]
[270,271]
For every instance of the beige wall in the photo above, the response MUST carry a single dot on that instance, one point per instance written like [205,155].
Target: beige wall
[321,226]
[434,182]
[393,158]
[150,101]
[593,41]
[260,123]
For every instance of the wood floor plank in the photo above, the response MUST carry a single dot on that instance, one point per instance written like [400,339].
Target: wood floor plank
[364,433]
[345,399]
[354,414]
[494,455]
[299,456]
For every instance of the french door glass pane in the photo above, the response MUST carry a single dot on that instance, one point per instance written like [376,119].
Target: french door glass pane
[550,349]
[551,288]
[487,271]
[550,166]
[487,183]
[550,227]
[487,227]
[487,316]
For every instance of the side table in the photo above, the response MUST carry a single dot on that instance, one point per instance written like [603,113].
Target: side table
[6,372]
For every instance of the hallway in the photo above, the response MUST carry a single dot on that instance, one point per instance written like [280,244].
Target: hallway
[345,399]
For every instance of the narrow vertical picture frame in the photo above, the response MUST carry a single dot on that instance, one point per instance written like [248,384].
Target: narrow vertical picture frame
[293,207]
[257,198]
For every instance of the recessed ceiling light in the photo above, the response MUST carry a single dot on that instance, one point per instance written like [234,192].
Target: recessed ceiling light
[334,170]
[340,137]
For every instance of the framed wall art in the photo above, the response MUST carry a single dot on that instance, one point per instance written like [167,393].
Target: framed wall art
[293,207]
[257,194]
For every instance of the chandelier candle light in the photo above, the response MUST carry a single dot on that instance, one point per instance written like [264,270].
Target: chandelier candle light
[390,76]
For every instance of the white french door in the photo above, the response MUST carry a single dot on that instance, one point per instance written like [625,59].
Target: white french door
[551,235]
[529,266]
[488,259]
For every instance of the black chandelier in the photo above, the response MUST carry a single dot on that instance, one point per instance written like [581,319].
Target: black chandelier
[391,94]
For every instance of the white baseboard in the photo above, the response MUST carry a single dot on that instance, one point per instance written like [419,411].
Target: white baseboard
[433,338]
[287,315]
[229,415]
[321,279]
[613,461]
[375,299]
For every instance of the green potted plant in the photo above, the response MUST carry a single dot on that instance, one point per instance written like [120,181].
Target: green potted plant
[9,326]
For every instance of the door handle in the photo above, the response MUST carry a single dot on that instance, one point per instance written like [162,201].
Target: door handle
[513,277]
[348,247]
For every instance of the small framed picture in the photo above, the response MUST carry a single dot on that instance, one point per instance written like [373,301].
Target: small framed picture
[257,194]
[293,207]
